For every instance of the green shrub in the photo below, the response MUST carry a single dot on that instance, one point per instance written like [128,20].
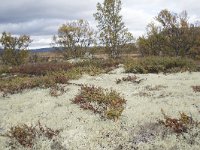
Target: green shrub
[4,69]
[15,49]
[159,64]
[107,103]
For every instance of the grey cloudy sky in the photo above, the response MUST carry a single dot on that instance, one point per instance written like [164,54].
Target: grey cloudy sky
[41,18]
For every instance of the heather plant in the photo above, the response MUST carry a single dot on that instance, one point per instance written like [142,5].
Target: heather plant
[108,104]
[26,135]
[180,125]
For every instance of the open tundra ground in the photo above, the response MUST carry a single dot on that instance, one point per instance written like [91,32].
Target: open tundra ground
[137,128]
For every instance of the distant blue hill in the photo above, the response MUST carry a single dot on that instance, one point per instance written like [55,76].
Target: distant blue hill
[39,50]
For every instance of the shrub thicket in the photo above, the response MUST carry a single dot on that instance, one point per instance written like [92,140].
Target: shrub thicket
[159,64]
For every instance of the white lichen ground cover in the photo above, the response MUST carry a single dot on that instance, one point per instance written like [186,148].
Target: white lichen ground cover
[84,130]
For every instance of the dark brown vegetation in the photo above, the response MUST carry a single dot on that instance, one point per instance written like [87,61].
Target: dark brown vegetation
[26,135]
[196,88]
[108,104]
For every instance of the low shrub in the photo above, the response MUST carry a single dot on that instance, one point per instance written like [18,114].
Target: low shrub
[180,125]
[159,64]
[26,135]
[108,104]
[41,68]
[15,84]
[90,70]
[196,88]
[4,69]
[18,84]
[128,78]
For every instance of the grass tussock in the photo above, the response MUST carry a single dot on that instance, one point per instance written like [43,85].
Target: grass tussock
[26,135]
[180,125]
[108,104]
[159,64]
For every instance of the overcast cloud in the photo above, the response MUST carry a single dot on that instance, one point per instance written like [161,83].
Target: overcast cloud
[41,18]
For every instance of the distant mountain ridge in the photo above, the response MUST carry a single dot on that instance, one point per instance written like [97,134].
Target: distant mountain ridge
[39,50]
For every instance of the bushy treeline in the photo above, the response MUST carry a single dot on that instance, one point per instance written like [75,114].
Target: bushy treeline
[14,48]
[174,36]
